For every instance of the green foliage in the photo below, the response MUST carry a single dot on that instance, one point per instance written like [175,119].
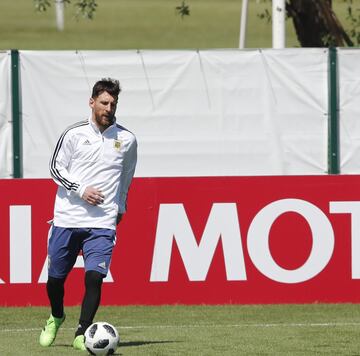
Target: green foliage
[265,15]
[83,8]
[183,9]
[329,40]
[353,18]
[42,5]
[86,8]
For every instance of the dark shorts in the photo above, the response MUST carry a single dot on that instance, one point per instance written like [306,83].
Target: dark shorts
[65,244]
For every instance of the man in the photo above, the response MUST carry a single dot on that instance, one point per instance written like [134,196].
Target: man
[93,163]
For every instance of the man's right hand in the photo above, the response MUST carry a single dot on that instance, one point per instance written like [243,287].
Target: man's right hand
[93,196]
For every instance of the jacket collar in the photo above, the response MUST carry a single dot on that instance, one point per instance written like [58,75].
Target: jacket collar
[96,129]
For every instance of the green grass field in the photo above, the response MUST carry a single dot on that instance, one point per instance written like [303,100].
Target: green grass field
[317,329]
[140,24]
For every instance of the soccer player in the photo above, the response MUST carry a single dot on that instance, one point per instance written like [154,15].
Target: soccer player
[93,164]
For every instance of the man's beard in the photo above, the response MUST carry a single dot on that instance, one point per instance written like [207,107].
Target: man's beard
[105,120]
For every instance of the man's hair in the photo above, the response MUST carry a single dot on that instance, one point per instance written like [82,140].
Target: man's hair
[112,86]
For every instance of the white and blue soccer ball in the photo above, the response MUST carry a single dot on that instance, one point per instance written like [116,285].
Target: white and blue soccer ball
[101,338]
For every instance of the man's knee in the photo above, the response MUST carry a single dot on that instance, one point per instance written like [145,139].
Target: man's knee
[55,282]
[93,279]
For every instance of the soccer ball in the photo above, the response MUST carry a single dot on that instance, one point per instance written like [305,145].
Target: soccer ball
[101,339]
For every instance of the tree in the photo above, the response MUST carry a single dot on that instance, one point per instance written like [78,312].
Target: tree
[315,22]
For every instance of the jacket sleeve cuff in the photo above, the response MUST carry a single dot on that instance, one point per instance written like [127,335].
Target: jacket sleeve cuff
[80,191]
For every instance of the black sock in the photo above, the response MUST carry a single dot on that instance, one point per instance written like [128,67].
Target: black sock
[91,301]
[55,291]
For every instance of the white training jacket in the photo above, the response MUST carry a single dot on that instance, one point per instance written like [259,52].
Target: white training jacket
[84,156]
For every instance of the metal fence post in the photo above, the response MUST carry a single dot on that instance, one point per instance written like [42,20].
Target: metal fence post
[16,115]
[333,119]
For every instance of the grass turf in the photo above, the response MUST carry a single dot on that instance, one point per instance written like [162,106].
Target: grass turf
[316,329]
[143,24]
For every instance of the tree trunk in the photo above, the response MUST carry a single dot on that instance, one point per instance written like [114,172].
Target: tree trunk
[315,23]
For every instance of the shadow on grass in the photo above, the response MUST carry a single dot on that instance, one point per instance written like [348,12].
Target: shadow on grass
[141,343]
[60,345]
[124,344]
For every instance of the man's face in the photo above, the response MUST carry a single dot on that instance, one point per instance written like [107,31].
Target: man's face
[103,110]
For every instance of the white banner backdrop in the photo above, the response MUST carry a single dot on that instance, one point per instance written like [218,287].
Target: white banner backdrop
[195,113]
[349,110]
[6,170]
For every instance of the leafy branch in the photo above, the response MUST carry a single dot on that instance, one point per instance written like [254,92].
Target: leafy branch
[183,9]
[353,17]
[84,8]
[42,5]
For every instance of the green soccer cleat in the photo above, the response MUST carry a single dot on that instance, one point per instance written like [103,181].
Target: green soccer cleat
[79,343]
[48,334]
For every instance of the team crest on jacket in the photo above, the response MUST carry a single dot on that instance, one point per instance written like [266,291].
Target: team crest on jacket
[117,145]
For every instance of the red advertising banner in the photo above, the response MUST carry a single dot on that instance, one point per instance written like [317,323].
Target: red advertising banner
[212,240]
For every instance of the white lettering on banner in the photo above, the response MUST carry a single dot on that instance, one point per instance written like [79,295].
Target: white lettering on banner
[173,224]
[20,248]
[322,235]
[222,225]
[353,208]
[20,244]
